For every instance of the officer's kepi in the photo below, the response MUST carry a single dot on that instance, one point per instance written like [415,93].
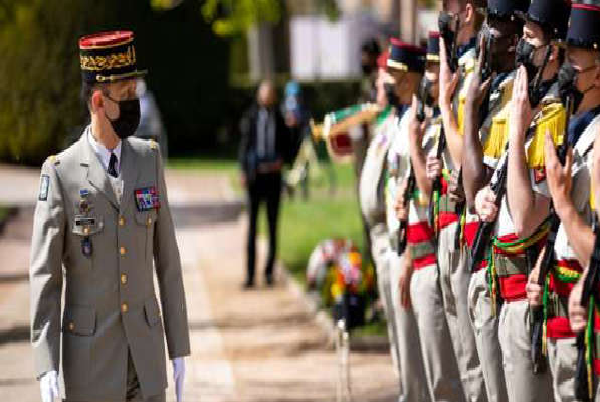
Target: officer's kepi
[406,57]
[584,26]
[551,15]
[108,57]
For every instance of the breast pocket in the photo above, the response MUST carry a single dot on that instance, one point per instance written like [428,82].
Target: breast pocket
[86,232]
[146,221]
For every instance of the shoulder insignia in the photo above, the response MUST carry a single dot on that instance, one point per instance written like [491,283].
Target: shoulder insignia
[552,119]
[153,145]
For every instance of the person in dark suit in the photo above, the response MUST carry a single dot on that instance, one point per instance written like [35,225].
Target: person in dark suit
[265,146]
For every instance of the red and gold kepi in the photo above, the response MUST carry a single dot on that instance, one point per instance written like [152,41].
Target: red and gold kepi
[108,57]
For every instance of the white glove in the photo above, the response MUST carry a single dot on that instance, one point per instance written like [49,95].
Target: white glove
[49,386]
[178,376]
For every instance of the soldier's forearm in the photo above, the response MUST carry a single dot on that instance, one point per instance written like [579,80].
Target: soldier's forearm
[580,235]
[454,138]
[474,172]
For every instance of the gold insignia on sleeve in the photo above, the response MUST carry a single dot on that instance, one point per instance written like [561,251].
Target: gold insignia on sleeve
[153,144]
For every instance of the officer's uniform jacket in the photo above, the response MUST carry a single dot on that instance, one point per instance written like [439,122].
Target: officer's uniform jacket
[105,260]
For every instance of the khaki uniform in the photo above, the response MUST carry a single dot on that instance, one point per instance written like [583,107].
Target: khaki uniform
[402,328]
[562,351]
[104,254]
[443,378]
[512,267]
[454,275]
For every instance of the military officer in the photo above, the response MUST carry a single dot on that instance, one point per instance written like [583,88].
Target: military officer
[102,228]
[422,132]
[571,189]
[405,347]
[520,231]
[460,20]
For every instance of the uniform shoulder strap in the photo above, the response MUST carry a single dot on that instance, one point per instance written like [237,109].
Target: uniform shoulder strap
[553,119]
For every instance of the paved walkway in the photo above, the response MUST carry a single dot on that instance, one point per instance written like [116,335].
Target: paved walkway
[262,345]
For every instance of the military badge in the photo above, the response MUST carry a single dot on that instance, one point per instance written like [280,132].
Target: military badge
[147,198]
[44,186]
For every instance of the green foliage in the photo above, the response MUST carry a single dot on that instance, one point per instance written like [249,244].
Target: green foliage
[234,17]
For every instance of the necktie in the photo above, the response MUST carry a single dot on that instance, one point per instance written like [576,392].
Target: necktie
[112,165]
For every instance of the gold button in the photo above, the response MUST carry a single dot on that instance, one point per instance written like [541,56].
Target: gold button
[124,279]
[86,230]
[71,326]
[124,307]
[123,251]
[122,221]
[149,221]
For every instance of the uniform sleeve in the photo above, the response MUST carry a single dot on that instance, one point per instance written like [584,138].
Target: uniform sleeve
[45,272]
[168,270]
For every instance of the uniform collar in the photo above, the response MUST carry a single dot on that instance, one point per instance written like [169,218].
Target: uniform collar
[102,152]
[579,123]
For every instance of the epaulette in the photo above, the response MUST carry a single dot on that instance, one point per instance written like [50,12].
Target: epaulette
[498,136]
[553,119]
[153,144]
[53,159]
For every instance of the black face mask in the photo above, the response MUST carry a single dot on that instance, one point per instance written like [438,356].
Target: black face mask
[524,56]
[390,94]
[129,117]
[567,87]
[445,22]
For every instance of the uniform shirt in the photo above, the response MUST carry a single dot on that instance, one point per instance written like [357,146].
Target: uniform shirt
[398,169]
[372,180]
[493,136]
[104,155]
[420,234]
[582,130]
[513,267]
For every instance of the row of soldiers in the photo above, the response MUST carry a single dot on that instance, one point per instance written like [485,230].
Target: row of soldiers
[477,190]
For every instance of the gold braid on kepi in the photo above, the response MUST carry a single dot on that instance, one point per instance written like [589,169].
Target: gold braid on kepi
[108,57]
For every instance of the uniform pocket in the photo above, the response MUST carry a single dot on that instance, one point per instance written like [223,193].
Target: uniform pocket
[79,326]
[79,320]
[152,312]
[147,219]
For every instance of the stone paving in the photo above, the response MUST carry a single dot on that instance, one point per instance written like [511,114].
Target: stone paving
[262,345]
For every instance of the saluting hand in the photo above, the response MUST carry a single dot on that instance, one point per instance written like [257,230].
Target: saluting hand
[448,79]
[477,90]
[558,176]
[521,112]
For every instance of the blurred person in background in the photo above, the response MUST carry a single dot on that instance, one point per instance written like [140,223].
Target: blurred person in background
[265,146]
[297,119]
[151,126]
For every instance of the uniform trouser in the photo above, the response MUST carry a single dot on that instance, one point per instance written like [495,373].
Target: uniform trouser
[485,328]
[562,359]
[401,325]
[134,393]
[413,381]
[515,342]
[439,360]
[454,283]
